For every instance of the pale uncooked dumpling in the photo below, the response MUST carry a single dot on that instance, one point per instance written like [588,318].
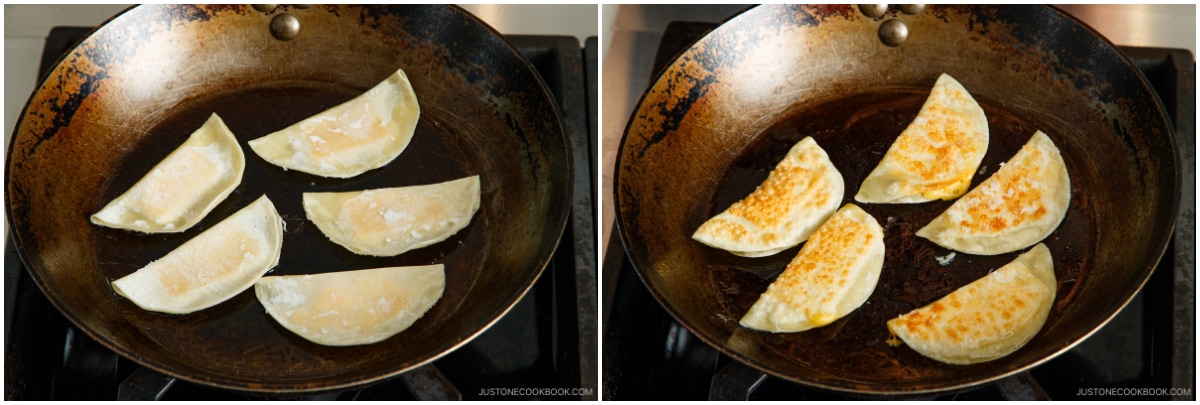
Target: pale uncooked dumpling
[362,134]
[833,275]
[936,156]
[214,266]
[990,318]
[181,189]
[352,307]
[1019,205]
[799,194]
[391,221]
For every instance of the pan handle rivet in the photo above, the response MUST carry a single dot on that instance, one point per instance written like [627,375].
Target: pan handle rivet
[912,9]
[285,26]
[893,32]
[873,10]
[265,8]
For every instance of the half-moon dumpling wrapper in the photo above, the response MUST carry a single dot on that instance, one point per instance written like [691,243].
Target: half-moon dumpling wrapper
[214,266]
[362,134]
[833,275]
[987,319]
[937,155]
[1019,205]
[799,194]
[181,189]
[352,307]
[391,221]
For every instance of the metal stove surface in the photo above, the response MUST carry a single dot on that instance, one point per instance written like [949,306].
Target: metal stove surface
[1149,344]
[546,341]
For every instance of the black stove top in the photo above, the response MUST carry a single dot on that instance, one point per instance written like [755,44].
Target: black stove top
[544,348]
[1150,344]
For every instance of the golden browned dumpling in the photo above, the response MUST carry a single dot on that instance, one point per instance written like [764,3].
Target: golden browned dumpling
[352,307]
[214,266]
[799,194]
[181,189]
[1019,205]
[833,275]
[364,133]
[391,221]
[987,319]
[936,156]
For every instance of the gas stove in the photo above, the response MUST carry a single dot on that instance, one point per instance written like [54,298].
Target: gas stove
[544,348]
[1149,344]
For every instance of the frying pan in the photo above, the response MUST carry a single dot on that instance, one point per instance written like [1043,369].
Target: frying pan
[727,109]
[135,88]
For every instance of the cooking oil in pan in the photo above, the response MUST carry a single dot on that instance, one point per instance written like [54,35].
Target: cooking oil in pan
[856,132]
[432,156]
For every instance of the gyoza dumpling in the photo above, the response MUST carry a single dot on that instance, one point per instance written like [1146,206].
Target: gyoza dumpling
[391,221]
[212,267]
[799,194]
[1021,204]
[833,275]
[181,189]
[364,133]
[352,307]
[936,156]
[987,319]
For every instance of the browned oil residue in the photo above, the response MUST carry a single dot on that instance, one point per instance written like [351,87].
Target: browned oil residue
[856,132]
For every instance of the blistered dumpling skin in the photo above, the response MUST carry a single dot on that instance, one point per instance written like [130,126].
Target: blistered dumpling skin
[352,307]
[988,319]
[362,134]
[834,274]
[391,221]
[799,194]
[214,266]
[936,155]
[1019,205]
[181,189]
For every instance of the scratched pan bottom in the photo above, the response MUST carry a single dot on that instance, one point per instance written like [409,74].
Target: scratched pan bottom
[725,110]
[237,337]
[856,132]
[120,100]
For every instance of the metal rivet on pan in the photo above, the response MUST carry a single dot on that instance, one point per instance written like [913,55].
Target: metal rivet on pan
[266,8]
[873,10]
[893,32]
[285,26]
[912,9]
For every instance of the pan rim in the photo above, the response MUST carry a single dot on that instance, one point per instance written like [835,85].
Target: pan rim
[555,231]
[1158,250]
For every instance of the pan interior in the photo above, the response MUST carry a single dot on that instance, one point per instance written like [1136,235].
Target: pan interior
[856,131]
[726,110]
[248,335]
[136,87]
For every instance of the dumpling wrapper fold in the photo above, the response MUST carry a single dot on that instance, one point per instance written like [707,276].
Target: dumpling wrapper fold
[1018,206]
[214,266]
[391,221]
[184,187]
[936,156]
[362,134]
[799,194]
[834,274]
[352,307]
[988,319]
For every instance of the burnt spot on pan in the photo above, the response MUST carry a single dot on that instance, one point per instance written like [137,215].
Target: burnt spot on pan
[669,113]
[83,72]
